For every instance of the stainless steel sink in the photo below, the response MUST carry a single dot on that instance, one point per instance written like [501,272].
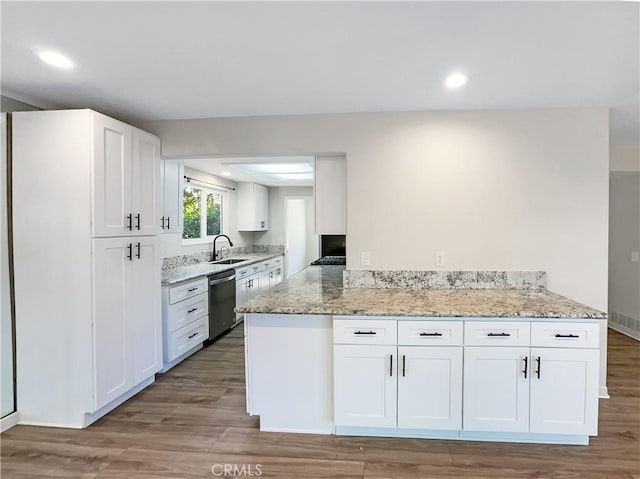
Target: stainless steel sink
[228,261]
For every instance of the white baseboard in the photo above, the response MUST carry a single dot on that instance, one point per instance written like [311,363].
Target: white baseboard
[8,421]
[603,392]
[623,330]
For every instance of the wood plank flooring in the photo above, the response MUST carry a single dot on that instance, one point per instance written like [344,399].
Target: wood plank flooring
[194,417]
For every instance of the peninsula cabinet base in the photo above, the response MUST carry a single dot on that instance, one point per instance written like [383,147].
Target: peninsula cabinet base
[530,438]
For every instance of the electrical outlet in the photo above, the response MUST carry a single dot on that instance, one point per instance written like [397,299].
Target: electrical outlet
[439,259]
[634,256]
[365,258]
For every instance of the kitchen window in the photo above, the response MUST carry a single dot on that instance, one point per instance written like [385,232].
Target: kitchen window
[202,214]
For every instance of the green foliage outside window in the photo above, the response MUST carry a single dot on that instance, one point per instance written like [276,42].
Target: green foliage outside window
[194,214]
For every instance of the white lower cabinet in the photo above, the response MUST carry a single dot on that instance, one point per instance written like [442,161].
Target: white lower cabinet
[564,391]
[257,278]
[365,385]
[496,389]
[532,380]
[126,330]
[430,387]
[185,320]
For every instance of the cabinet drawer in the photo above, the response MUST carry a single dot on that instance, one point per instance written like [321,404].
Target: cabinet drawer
[497,333]
[187,290]
[247,271]
[185,312]
[365,331]
[184,339]
[430,333]
[565,335]
[265,265]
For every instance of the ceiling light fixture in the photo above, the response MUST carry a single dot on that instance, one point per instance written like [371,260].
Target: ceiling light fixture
[55,59]
[226,173]
[456,80]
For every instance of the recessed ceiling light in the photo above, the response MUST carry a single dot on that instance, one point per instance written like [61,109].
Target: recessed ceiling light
[456,80]
[54,58]
[226,173]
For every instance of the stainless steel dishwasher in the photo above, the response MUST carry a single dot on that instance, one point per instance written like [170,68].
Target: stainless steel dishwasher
[222,300]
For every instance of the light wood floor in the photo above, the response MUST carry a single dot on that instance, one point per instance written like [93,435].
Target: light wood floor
[194,417]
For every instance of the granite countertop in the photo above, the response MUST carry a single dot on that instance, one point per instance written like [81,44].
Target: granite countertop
[318,290]
[192,271]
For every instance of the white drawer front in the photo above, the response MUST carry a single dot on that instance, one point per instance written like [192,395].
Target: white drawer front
[565,335]
[430,333]
[497,333]
[365,331]
[184,339]
[248,270]
[187,311]
[267,265]
[188,290]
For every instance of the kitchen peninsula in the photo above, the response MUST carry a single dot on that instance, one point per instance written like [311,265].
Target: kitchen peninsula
[467,357]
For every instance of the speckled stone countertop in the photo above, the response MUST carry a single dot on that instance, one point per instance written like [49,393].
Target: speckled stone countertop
[319,290]
[184,273]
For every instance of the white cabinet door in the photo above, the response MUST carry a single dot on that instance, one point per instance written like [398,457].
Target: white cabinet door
[430,387]
[564,391]
[496,389]
[113,374]
[145,181]
[253,207]
[277,276]
[330,193]
[111,177]
[173,172]
[241,294]
[365,385]
[143,308]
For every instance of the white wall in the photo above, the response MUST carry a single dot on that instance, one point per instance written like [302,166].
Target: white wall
[495,190]
[275,233]
[624,238]
[172,243]
[6,338]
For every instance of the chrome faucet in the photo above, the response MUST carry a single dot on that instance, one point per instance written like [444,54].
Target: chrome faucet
[214,256]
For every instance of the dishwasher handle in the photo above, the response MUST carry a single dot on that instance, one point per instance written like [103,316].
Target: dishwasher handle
[222,280]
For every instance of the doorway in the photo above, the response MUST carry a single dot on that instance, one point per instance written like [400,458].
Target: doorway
[301,242]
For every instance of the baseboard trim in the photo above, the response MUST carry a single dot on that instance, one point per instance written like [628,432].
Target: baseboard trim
[179,359]
[603,393]
[9,421]
[622,330]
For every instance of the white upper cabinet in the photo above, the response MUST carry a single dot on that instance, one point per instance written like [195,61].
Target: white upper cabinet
[172,173]
[330,193]
[253,207]
[126,175]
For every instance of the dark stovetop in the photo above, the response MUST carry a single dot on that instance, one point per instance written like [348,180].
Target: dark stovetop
[330,260]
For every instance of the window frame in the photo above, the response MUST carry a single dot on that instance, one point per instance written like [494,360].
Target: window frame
[204,191]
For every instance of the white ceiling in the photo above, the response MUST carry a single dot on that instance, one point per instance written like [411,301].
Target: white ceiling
[172,60]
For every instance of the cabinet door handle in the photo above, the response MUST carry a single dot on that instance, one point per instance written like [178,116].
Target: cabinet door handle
[130,255]
[138,221]
[567,335]
[430,334]
[262,224]
[365,332]
[191,289]
[138,250]
[526,362]
[538,367]
[168,222]
[162,223]
[192,310]
[130,222]
[404,359]
[193,335]
[391,365]
[499,335]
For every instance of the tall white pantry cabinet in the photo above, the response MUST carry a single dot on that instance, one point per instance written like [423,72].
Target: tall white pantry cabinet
[86,219]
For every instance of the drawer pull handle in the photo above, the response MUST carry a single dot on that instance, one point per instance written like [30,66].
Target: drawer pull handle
[524,371]
[567,335]
[193,335]
[365,332]
[191,290]
[391,365]
[404,363]
[192,310]
[430,334]
[538,367]
[498,335]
